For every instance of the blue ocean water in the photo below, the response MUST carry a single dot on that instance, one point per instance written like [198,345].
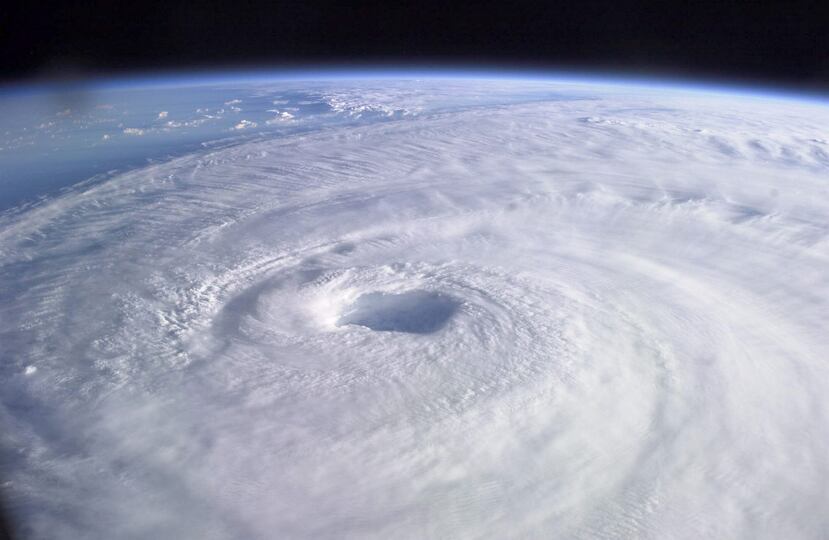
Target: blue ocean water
[54,139]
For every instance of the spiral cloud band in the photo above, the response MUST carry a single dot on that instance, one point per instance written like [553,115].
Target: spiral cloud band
[598,317]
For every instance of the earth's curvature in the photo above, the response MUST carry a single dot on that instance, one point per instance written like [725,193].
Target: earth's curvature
[415,308]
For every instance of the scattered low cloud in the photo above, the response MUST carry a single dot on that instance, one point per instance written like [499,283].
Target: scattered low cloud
[245,124]
[281,116]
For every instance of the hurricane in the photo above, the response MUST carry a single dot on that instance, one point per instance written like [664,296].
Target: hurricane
[428,308]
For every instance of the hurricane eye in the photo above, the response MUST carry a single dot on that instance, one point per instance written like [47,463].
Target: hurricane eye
[413,312]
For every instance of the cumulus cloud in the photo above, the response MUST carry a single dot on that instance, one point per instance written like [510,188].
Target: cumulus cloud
[245,124]
[281,117]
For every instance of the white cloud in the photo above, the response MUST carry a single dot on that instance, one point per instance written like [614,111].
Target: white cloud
[489,320]
[245,124]
[280,117]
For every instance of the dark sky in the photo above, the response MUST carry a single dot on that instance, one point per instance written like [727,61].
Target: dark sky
[785,43]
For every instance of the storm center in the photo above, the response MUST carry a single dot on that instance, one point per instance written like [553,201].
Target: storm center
[414,312]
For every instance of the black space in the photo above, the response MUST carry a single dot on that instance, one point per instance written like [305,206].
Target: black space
[778,43]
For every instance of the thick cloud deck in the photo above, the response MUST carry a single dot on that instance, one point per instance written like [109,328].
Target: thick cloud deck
[595,312]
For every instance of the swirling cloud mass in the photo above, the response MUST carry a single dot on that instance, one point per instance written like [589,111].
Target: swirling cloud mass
[597,317]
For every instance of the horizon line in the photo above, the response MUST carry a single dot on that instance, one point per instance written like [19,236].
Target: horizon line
[321,72]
